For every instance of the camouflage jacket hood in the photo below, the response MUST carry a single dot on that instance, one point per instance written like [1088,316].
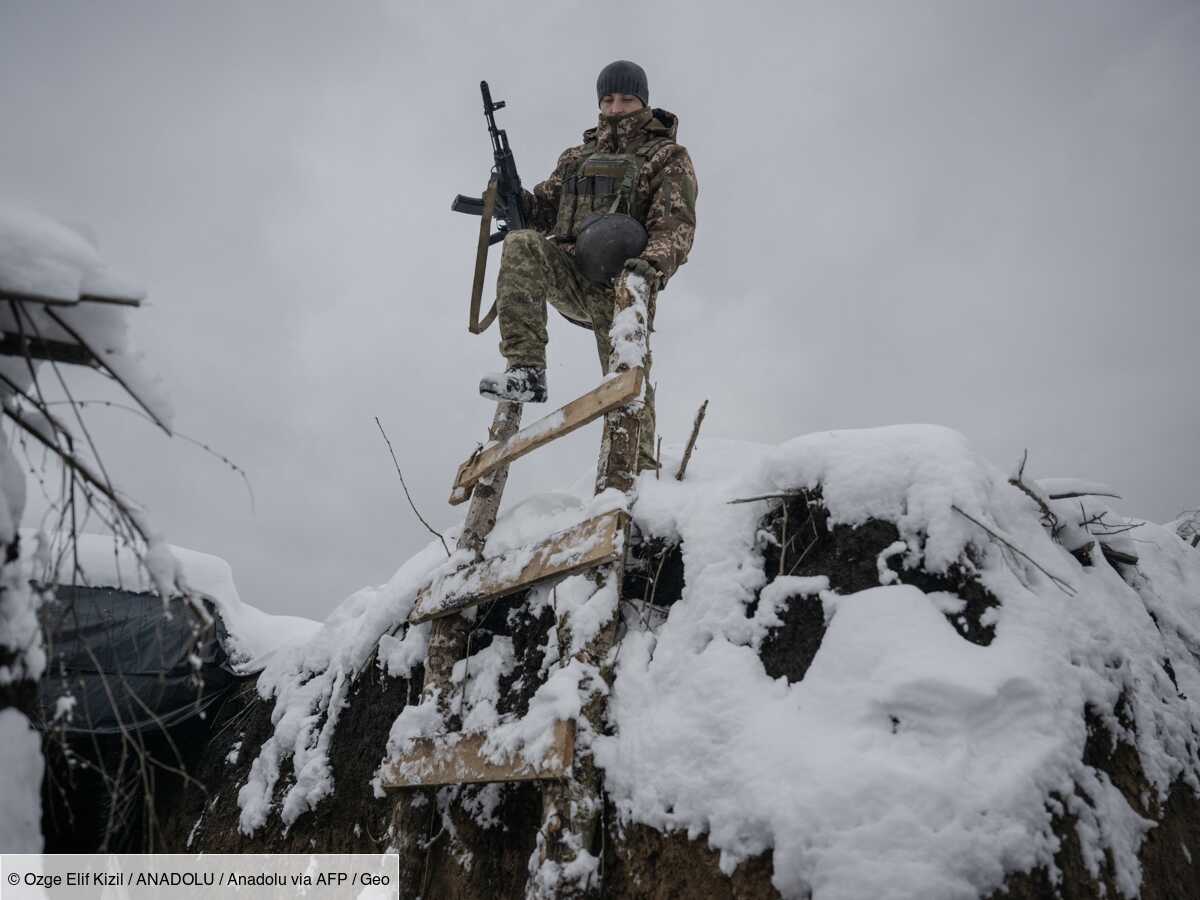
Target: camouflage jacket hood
[664,193]
[615,134]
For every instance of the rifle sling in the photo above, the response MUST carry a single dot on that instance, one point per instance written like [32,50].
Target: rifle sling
[475,325]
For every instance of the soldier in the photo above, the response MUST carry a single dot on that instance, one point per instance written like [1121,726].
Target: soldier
[628,164]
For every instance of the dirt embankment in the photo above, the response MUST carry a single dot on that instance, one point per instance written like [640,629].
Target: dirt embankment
[446,853]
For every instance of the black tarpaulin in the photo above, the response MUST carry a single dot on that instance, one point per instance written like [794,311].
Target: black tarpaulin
[130,661]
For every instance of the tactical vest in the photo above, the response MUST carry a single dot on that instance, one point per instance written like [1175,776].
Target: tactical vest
[605,182]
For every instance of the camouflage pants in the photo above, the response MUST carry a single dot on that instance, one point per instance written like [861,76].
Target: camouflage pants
[535,271]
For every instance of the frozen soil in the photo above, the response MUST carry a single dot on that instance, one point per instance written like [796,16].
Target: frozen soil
[475,842]
[353,819]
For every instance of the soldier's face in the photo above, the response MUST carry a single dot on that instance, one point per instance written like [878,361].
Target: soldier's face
[616,104]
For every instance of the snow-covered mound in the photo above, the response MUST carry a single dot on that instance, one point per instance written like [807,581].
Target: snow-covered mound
[254,635]
[908,762]
[926,728]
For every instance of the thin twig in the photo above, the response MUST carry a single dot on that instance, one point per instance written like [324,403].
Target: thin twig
[1071,495]
[1049,519]
[416,511]
[691,444]
[783,540]
[78,466]
[781,495]
[177,434]
[1062,585]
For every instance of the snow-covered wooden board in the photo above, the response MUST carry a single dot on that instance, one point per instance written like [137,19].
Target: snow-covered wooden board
[434,762]
[611,394]
[44,299]
[12,344]
[592,543]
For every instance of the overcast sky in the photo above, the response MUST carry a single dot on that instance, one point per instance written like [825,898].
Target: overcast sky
[982,215]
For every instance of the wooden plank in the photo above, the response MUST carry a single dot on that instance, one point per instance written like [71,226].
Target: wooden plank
[51,351]
[46,300]
[435,761]
[110,299]
[611,394]
[43,299]
[597,541]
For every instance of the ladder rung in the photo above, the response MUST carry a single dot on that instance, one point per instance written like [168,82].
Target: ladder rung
[592,543]
[432,762]
[611,394]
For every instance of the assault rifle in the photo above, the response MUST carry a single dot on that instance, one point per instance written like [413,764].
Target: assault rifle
[503,199]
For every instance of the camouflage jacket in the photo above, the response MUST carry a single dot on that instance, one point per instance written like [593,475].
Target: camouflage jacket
[658,188]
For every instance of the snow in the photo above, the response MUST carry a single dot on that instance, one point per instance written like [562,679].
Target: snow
[64,708]
[20,630]
[559,698]
[886,574]
[20,783]
[628,331]
[780,590]
[587,607]
[45,258]
[908,761]
[308,682]
[254,635]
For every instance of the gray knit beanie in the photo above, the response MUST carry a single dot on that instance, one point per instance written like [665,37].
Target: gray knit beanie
[623,77]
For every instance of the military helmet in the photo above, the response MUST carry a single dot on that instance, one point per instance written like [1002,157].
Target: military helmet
[604,242]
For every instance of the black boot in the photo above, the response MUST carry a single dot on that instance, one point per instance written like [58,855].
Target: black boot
[519,384]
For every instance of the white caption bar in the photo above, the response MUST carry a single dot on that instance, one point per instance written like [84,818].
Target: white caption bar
[178,876]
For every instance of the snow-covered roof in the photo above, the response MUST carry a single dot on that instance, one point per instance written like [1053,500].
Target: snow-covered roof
[43,258]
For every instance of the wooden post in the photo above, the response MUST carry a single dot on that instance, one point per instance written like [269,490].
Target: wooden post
[622,427]
[573,810]
[448,635]
[691,444]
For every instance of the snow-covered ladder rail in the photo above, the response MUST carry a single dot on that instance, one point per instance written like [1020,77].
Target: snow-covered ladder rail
[589,544]
[613,393]
[572,800]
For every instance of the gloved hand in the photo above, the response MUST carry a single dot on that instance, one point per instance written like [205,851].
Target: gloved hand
[645,268]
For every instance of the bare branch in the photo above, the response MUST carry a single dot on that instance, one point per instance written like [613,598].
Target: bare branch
[782,495]
[175,434]
[80,468]
[416,511]
[1048,518]
[1061,584]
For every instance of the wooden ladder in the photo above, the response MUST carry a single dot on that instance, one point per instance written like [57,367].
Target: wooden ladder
[572,803]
